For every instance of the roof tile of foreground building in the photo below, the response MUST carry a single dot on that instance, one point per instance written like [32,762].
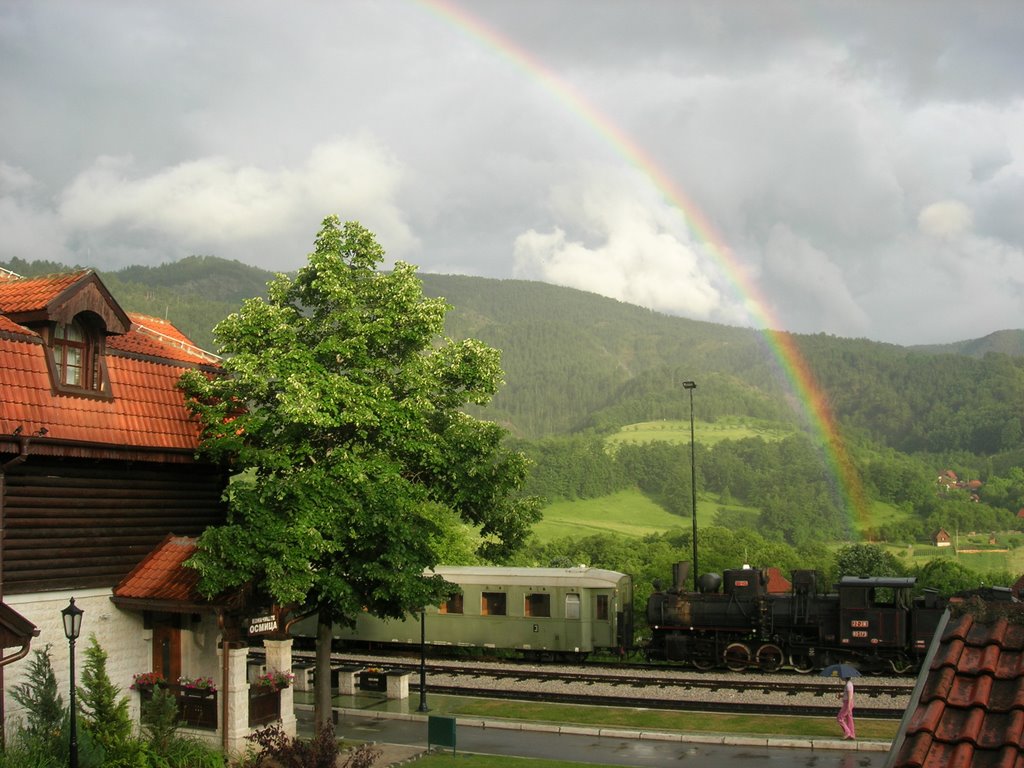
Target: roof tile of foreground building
[970,711]
[141,407]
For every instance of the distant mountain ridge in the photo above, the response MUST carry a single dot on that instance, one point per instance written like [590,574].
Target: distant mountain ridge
[576,361]
[217,280]
[1007,342]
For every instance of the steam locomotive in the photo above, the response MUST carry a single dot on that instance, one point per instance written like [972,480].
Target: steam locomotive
[873,622]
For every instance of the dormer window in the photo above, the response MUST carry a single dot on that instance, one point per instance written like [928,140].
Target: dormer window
[76,350]
[73,356]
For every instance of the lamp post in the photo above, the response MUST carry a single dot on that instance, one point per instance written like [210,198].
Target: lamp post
[689,385]
[72,616]
[423,660]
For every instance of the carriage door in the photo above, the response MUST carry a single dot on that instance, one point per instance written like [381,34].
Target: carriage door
[574,627]
[167,649]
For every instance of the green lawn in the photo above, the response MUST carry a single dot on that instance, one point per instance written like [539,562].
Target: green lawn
[740,723]
[980,562]
[705,432]
[466,760]
[711,724]
[626,513]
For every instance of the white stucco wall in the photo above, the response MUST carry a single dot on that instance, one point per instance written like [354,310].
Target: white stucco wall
[119,633]
[129,649]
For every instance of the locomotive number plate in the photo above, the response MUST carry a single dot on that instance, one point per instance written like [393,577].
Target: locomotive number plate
[859,633]
[859,623]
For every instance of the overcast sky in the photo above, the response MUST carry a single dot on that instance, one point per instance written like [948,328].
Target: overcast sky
[849,168]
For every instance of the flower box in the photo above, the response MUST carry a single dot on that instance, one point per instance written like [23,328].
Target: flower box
[264,706]
[373,681]
[197,708]
[274,680]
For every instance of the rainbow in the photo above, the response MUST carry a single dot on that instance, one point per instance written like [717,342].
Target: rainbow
[801,379]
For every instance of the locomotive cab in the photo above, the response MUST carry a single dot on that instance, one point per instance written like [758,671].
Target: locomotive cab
[873,613]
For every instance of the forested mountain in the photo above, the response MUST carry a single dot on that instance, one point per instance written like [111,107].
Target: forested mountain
[575,361]
[1006,342]
[578,366]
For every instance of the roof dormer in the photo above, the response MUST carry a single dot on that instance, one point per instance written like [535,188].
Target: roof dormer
[73,314]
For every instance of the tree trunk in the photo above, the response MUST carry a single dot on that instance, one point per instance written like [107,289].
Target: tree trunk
[323,716]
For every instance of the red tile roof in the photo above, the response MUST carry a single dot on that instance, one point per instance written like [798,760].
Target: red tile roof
[970,710]
[161,575]
[30,294]
[147,410]
[777,583]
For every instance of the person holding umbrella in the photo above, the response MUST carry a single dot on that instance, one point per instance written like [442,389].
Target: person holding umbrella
[845,716]
[846,673]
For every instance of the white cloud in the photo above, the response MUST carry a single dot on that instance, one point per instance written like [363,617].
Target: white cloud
[635,256]
[947,218]
[866,171]
[212,203]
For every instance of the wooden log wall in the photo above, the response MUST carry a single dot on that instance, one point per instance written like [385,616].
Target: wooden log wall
[76,525]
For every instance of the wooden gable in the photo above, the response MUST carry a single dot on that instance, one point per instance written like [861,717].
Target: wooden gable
[59,298]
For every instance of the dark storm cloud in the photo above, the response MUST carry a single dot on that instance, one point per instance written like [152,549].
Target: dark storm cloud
[860,161]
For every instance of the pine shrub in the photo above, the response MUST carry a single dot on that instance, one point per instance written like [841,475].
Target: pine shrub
[46,715]
[104,712]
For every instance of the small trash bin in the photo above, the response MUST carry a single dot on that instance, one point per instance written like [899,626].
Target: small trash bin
[441,731]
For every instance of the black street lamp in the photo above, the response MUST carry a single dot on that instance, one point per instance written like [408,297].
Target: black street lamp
[423,661]
[72,616]
[689,385]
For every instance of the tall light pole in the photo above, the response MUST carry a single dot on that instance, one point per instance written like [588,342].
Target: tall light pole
[689,385]
[72,616]
[423,660]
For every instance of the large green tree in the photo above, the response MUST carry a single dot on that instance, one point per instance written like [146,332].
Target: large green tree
[342,400]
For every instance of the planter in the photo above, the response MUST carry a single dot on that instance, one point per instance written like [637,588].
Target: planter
[373,681]
[264,706]
[196,708]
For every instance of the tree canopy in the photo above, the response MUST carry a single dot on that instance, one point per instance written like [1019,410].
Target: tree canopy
[342,401]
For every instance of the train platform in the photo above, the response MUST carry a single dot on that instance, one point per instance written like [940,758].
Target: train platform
[400,732]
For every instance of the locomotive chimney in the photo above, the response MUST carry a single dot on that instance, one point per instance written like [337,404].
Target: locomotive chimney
[679,573]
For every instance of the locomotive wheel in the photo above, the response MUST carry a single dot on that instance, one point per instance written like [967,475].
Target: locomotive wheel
[703,663]
[769,657]
[737,656]
[801,662]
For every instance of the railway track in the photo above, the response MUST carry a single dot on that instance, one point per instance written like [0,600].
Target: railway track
[651,688]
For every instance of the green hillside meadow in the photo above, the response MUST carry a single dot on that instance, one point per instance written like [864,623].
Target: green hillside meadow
[706,433]
[631,514]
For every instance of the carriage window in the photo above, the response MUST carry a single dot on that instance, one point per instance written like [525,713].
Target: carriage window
[452,605]
[572,606]
[602,608]
[492,604]
[538,605]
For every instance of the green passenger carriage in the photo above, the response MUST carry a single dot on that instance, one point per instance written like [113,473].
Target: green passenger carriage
[563,613]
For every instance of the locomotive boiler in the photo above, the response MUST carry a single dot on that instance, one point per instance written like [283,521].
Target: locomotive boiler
[734,621]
